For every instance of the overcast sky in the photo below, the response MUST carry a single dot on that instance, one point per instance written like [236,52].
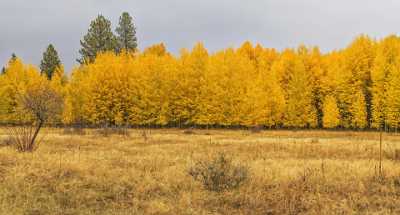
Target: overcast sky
[28,26]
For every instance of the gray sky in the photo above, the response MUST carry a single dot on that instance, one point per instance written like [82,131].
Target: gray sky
[28,26]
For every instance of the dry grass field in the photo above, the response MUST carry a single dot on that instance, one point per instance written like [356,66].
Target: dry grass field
[289,172]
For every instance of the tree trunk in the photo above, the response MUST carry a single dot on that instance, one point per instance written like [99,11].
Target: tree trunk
[31,146]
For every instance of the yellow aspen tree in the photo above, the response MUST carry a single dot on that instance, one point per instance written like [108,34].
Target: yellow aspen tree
[392,109]
[60,81]
[359,58]
[331,115]
[332,82]
[215,106]
[312,60]
[296,83]
[379,90]
[300,111]
[284,67]
[265,58]
[247,50]
[244,73]
[14,83]
[157,50]
[75,98]
[151,96]
[59,84]
[358,110]
[193,65]
[212,92]
[178,92]
[104,90]
[388,52]
[338,81]
[265,99]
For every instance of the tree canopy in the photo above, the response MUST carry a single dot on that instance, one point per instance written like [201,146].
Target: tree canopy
[126,33]
[354,88]
[50,62]
[98,39]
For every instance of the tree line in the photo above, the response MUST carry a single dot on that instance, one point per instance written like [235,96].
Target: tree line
[116,84]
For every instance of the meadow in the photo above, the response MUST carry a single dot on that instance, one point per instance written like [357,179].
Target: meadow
[148,172]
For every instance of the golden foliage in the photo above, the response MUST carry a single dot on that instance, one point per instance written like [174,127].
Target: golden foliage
[356,87]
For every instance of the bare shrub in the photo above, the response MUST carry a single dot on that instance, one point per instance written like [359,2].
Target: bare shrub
[219,174]
[23,137]
[38,105]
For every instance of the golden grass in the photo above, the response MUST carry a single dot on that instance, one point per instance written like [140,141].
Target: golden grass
[303,172]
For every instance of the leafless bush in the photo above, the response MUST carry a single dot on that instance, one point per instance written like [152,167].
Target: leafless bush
[23,138]
[219,174]
[37,106]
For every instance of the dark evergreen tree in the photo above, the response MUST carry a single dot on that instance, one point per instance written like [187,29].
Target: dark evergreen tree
[99,38]
[126,33]
[50,62]
[13,58]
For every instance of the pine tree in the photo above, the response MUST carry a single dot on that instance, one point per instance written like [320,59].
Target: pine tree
[50,62]
[13,57]
[126,33]
[98,39]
